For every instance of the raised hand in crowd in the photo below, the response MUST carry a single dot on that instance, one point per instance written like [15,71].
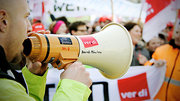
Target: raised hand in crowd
[142,59]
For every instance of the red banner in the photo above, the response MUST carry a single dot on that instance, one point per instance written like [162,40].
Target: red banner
[134,88]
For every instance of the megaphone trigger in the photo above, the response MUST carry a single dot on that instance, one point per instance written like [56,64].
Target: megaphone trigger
[62,64]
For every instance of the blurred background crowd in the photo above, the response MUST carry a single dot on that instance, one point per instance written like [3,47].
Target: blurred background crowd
[46,17]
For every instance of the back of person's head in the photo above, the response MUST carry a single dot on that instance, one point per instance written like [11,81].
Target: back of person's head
[74,26]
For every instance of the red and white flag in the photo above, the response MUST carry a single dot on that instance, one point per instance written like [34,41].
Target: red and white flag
[159,13]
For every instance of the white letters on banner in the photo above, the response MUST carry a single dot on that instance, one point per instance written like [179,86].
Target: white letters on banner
[139,83]
[77,8]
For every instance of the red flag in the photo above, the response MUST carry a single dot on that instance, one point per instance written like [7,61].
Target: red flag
[155,6]
[159,13]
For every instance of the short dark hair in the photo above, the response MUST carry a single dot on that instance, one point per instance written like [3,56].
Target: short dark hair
[130,25]
[75,25]
[162,36]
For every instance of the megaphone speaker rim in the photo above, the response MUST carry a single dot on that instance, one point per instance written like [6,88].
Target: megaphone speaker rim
[118,76]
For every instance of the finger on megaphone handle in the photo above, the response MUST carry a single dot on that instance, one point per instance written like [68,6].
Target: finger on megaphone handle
[72,64]
[36,67]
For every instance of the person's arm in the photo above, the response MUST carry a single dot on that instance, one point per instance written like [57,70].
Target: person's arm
[74,84]
[35,84]
[70,90]
[35,76]
[13,91]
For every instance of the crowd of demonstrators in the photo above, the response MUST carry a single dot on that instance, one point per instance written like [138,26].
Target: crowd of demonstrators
[77,27]
[143,51]
[163,50]
[30,84]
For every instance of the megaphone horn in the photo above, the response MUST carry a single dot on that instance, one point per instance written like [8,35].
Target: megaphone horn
[109,50]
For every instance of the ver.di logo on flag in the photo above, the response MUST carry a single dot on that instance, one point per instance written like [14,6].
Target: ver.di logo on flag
[134,88]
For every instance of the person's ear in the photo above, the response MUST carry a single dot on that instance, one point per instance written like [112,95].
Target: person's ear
[3,21]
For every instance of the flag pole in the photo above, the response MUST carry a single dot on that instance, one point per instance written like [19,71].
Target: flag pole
[112,9]
[139,19]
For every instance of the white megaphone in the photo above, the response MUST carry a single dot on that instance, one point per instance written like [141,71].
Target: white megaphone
[109,50]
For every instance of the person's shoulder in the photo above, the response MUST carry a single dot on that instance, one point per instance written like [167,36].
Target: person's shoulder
[164,47]
[7,85]
[11,90]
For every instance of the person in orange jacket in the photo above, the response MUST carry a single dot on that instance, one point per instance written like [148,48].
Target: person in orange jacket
[170,89]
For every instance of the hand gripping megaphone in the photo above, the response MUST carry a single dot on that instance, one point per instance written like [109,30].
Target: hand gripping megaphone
[109,50]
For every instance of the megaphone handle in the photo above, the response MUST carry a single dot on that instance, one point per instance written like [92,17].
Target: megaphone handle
[62,64]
